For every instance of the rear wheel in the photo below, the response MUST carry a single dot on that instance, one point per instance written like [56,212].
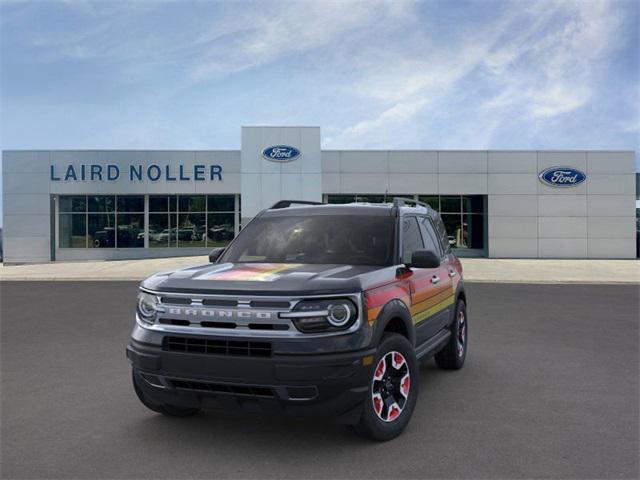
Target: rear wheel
[393,390]
[170,410]
[452,356]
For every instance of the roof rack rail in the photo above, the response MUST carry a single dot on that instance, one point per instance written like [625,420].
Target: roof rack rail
[288,203]
[404,202]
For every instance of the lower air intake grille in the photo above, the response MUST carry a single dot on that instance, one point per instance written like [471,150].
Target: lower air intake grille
[250,390]
[217,347]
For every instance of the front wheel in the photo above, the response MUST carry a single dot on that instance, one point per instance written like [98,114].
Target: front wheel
[393,390]
[452,356]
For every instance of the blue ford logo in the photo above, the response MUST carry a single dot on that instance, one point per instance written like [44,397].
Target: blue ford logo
[281,153]
[562,176]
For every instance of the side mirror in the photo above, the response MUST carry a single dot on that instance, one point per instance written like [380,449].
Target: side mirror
[424,259]
[215,254]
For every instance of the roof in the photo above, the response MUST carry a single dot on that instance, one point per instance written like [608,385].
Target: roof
[288,208]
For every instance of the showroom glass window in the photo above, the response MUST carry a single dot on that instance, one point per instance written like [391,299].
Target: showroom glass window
[464,216]
[72,221]
[101,221]
[191,220]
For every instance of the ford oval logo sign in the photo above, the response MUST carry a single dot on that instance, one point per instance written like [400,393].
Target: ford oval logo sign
[281,153]
[562,177]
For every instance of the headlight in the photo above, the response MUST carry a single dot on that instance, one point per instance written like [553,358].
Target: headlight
[310,316]
[147,307]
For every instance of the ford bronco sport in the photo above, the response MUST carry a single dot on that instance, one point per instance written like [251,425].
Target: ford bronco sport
[312,309]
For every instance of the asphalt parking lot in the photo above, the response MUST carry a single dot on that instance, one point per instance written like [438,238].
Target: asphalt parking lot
[550,390]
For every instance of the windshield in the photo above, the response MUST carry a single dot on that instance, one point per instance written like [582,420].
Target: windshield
[331,239]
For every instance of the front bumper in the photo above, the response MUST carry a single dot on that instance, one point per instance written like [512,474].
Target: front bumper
[332,385]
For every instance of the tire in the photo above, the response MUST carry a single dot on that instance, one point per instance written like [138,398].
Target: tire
[452,356]
[165,409]
[387,411]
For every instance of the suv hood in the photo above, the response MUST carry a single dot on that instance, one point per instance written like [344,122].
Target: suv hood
[263,279]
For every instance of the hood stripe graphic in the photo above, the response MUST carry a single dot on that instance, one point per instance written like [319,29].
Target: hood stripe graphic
[252,272]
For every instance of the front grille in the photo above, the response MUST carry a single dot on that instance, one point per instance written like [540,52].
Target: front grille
[249,390]
[208,346]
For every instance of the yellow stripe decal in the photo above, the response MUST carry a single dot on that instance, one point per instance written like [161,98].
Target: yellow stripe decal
[430,302]
[419,317]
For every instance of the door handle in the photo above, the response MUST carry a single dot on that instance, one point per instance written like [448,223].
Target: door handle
[435,279]
[452,273]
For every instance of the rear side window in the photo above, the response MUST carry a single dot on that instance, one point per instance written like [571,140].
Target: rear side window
[442,233]
[431,240]
[411,238]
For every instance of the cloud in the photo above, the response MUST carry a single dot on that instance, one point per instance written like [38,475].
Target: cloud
[537,60]
[262,37]
[384,74]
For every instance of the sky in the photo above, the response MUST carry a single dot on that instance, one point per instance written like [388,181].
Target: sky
[373,74]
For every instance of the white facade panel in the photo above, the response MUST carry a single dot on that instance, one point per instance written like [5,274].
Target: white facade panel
[411,183]
[331,183]
[270,189]
[312,187]
[512,162]
[231,183]
[513,248]
[562,227]
[26,249]
[562,248]
[28,204]
[408,161]
[612,248]
[20,183]
[562,205]
[364,162]
[229,160]
[513,227]
[291,186]
[601,184]
[576,160]
[612,227]
[330,162]
[611,162]
[612,205]
[26,226]
[364,183]
[472,183]
[462,162]
[312,161]
[512,183]
[513,205]
[251,204]
[25,162]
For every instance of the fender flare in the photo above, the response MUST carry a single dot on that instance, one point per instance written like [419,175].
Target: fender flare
[394,309]
[460,294]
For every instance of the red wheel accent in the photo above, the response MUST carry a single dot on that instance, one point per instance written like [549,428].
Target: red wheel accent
[390,386]
[398,360]
[377,404]
[394,412]
[405,384]
[380,369]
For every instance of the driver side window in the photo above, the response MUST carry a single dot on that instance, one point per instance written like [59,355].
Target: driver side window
[411,238]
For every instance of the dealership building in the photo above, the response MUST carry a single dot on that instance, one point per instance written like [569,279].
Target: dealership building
[70,205]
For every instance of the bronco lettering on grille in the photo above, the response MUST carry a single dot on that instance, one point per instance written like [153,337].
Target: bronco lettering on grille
[205,312]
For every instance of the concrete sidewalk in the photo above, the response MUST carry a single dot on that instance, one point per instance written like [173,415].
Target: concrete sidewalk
[475,270]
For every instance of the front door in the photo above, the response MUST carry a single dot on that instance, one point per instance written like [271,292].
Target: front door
[430,287]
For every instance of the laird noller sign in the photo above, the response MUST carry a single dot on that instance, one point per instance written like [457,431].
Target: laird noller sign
[135,173]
